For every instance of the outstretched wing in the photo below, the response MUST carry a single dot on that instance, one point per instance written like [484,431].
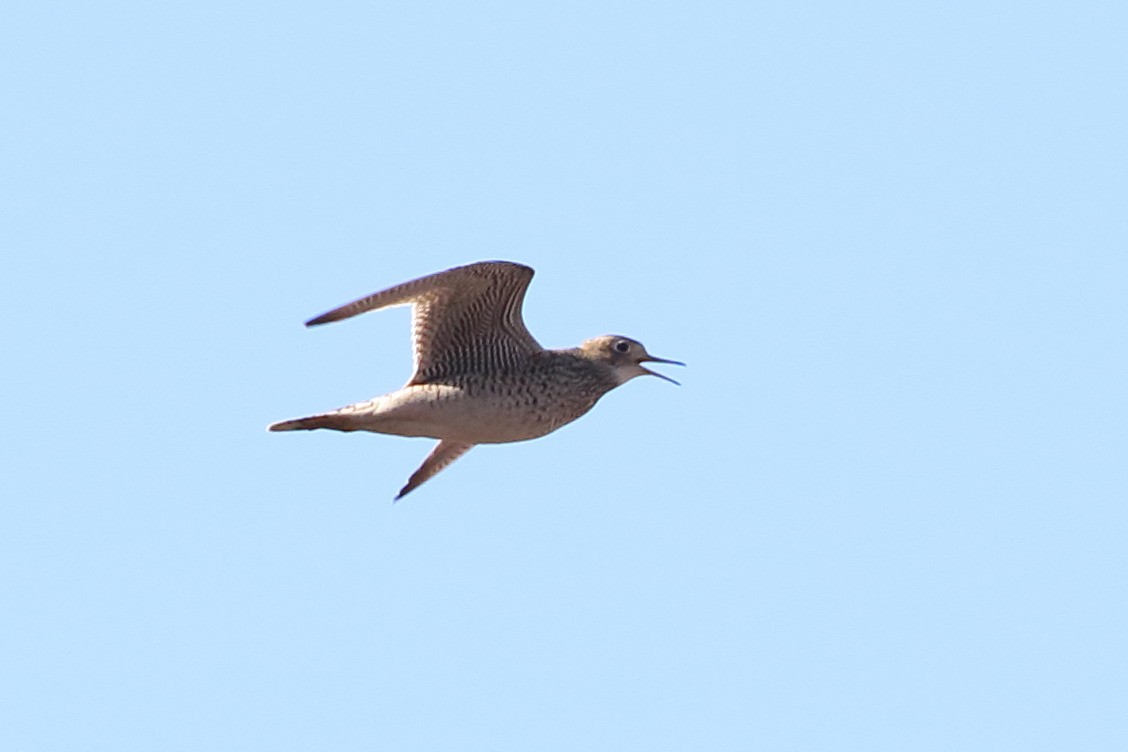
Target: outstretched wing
[444,453]
[464,320]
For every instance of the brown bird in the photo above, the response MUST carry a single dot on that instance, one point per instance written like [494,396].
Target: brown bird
[480,377]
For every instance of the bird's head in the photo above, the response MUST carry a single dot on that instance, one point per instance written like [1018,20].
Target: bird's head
[624,356]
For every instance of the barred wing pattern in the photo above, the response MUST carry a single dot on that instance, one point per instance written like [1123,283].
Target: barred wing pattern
[464,320]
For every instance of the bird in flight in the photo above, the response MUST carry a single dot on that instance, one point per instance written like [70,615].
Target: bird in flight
[479,376]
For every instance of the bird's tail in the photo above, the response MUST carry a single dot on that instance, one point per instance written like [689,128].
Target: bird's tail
[335,421]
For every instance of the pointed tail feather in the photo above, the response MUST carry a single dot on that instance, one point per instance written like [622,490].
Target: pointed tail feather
[335,421]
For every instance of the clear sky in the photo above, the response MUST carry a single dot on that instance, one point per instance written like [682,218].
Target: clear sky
[885,511]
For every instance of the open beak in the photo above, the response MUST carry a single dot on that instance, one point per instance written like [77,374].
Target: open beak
[652,359]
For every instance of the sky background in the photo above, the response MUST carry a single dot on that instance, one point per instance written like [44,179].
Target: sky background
[885,511]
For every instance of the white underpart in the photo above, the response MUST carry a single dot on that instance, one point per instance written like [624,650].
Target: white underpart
[627,371]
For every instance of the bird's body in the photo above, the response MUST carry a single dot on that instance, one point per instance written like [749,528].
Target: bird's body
[480,377]
[526,402]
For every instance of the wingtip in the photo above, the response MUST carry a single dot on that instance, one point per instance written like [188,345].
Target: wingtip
[499,263]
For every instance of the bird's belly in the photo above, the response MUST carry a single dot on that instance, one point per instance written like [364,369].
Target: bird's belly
[472,416]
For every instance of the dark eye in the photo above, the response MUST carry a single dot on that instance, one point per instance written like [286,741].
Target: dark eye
[622,346]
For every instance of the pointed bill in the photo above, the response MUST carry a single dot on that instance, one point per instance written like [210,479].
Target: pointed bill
[664,377]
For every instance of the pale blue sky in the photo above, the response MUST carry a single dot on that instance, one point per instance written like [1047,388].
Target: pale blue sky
[886,511]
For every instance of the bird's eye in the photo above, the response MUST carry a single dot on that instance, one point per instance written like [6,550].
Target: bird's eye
[622,346]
